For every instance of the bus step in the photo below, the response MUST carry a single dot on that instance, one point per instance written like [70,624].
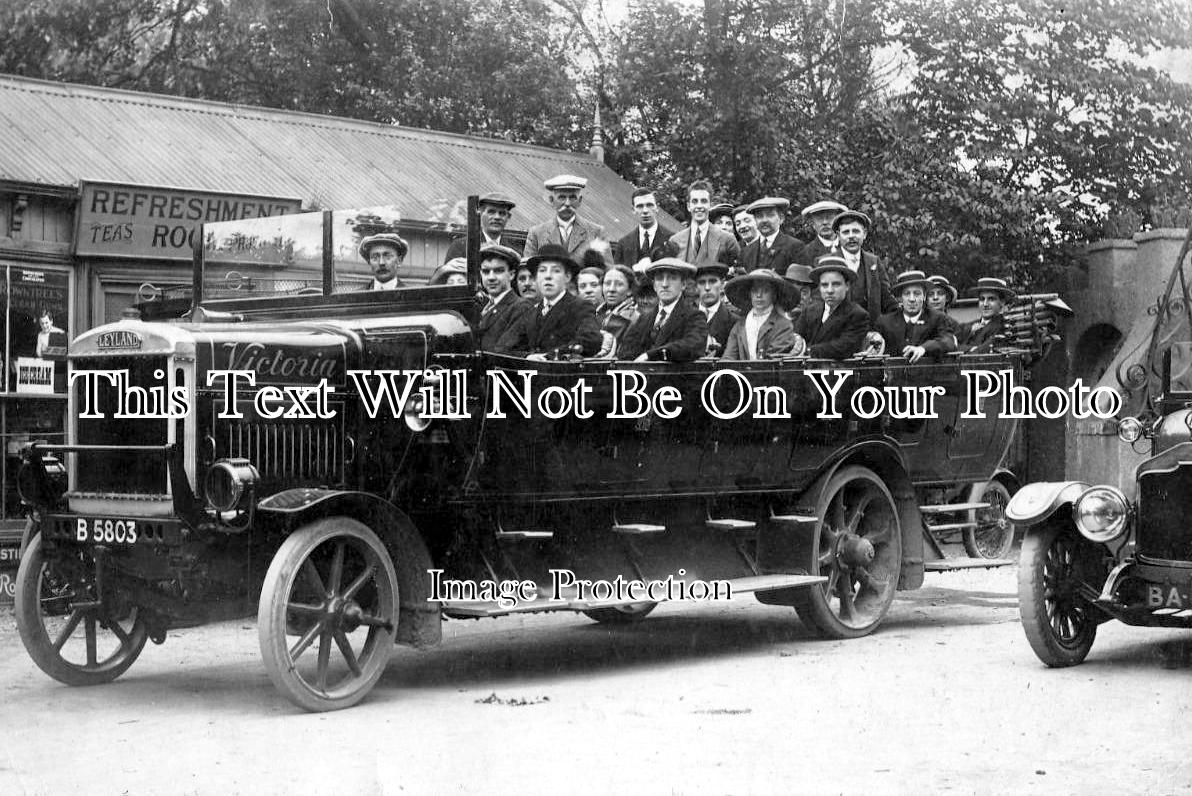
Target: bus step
[638,528]
[736,526]
[951,564]
[522,536]
[948,508]
[770,582]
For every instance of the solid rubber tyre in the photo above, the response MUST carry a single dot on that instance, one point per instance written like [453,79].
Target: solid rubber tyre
[49,621]
[332,587]
[855,503]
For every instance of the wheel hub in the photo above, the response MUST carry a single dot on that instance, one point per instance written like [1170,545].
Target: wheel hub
[855,551]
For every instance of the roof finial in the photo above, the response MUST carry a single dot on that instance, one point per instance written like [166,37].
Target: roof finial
[597,148]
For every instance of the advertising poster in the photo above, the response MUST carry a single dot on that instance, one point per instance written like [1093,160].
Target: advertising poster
[38,303]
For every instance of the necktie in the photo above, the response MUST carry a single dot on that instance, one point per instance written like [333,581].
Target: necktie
[661,319]
[545,308]
[488,308]
[699,240]
[645,244]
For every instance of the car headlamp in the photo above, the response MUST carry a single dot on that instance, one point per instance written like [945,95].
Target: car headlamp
[1130,429]
[227,483]
[1101,513]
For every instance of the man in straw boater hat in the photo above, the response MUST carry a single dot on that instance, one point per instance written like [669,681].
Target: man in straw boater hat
[673,331]
[720,314]
[819,215]
[915,331]
[566,228]
[503,308]
[764,331]
[872,289]
[993,295]
[494,210]
[833,326]
[560,323]
[773,249]
[384,253]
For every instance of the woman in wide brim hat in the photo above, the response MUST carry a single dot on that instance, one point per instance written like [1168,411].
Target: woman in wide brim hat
[456,265]
[786,294]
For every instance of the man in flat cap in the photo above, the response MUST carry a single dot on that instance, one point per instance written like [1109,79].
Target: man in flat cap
[819,215]
[494,210]
[566,229]
[703,243]
[561,323]
[872,289]
[384,253]
[503,309]
[674,331]
[834,326]
[647,237]
[773,249]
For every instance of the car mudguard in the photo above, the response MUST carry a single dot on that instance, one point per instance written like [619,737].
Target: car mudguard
[1036,502]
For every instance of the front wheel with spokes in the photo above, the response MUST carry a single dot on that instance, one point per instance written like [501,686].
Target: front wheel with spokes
[858,548]
[74,633]
[328,614]
[1058,573]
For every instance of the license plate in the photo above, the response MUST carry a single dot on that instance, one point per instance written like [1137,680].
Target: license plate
[106,530]
[1167,596]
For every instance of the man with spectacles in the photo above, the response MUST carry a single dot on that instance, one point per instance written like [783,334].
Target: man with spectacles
[384,254]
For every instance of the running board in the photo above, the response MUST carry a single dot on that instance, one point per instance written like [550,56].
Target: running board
[951,564]
[948,508]
[747,585]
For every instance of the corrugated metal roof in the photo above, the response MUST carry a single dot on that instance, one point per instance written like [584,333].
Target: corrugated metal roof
[57,134]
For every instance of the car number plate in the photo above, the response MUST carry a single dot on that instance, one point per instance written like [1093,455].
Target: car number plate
[106,530]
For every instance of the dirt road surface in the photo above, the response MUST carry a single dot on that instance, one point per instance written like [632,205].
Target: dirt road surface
[732,697]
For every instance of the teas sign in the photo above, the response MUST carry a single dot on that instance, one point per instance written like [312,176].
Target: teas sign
[141,221]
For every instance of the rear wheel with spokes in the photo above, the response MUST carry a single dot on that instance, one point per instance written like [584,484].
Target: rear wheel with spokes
[859,550]
[328,614]
[74,633]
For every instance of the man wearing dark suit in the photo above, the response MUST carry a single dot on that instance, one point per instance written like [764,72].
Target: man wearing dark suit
[674,331]
[646,238]
[834,326]
[872,289]
[494,210]
[980,336]
[561,322]
[819,216]
[703,243]
[719,314]
[774,249]
[504,308]
[566,229]
[914,331]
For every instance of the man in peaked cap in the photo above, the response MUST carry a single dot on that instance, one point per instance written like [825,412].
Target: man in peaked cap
[674,331]
[872,290]
[774,249]
[993,295]
[819,215]
[494,210]
[915,331]
[566,228]
[833,326]
[561,323]
[720,315]
[384,254]
[503,308]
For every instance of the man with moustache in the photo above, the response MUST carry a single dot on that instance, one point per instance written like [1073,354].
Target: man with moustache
[384,254]
[702,243]
[566,229]
[774,249]
[871,291]
[494,210]
[504,309]
[914,331]
[561,323]
[647,237]
[820,216]
[834,326]
[674,331]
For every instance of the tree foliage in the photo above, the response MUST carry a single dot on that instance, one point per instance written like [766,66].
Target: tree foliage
[1012,131]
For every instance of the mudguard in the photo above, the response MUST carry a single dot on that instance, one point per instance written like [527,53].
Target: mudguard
[420,622]
[1036,502]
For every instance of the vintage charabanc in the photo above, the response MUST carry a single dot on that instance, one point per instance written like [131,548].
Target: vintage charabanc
[1091,553]
[347,533]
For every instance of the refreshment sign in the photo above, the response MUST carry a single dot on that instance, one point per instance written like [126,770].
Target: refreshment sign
[141,221]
